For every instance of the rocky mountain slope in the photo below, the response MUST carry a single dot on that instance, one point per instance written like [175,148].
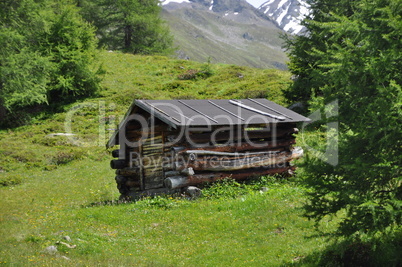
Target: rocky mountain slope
[286,13]
[224,31]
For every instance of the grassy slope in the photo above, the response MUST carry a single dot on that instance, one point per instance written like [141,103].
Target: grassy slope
[57,178]
[142,77]
[127,77]
[202,35]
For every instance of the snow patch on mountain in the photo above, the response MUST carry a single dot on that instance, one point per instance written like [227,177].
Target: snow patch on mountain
[256,3]
[165,2]
[287,13]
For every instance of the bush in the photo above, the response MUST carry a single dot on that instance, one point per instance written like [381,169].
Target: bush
[10,179]
[225,188]
[189,75]
[64,157]
[194,74]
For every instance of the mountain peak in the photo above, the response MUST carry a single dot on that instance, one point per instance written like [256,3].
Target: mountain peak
[287,13]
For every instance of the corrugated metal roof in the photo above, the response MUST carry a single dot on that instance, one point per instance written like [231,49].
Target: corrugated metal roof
[179,113]
[193,113]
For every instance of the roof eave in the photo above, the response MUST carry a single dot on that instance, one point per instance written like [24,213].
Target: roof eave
[143,105]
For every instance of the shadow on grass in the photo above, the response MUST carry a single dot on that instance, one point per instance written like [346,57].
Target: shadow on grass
[355,253]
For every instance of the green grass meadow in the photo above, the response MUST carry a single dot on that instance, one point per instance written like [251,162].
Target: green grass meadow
[248,227]
[53,186]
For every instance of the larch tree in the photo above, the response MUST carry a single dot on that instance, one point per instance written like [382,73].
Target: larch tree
[351,53]
[132,26]
[47,55]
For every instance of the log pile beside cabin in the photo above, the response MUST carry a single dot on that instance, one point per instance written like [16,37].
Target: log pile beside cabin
[167,145]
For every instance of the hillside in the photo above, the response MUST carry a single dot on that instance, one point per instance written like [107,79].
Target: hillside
[89,123]
[231,32]
[59,198]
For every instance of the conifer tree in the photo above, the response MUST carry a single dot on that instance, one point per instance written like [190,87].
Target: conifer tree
[351,52]
[133,26]
[24,71]
[46,54]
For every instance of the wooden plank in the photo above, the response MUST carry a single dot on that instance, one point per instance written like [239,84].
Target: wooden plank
[142,186]
[152,147]
[147,145]
[153,153]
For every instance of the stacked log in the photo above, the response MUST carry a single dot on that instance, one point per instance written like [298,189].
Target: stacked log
[238,169]
[222,161]
[203,157]
[199,179]
[249,153]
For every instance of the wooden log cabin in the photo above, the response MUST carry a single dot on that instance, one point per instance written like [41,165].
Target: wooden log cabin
[167,145]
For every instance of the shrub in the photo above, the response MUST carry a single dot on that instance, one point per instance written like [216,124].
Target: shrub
[225,188]
[189,75]
[193,74]
[10,179]
[64,157]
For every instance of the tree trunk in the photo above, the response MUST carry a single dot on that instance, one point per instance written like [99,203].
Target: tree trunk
[127,37]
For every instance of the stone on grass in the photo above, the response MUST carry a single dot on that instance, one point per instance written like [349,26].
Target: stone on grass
[51,250]
[192,192]
[67,238]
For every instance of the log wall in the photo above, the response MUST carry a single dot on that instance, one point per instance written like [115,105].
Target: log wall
[159,164]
